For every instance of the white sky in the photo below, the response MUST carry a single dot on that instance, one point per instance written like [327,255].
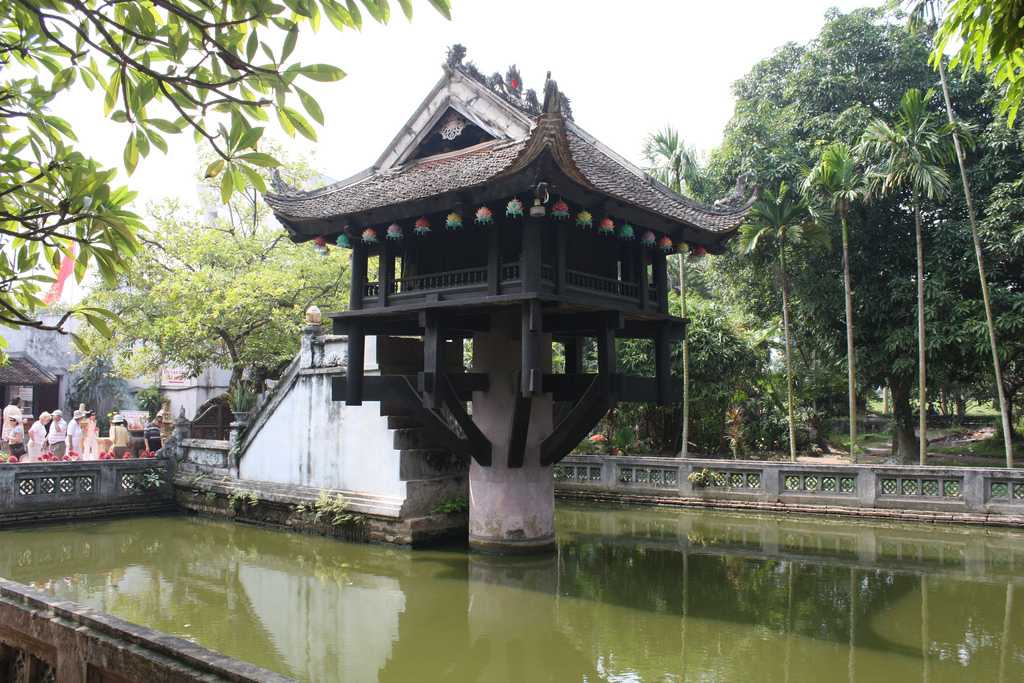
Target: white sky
[629,68]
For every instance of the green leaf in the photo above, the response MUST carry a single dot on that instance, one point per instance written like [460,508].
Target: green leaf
[214,169]
[289,42]
[164,125]
[325,73]
[251,45]
[357,16]
[406,8]
[444,7]
[131,154]
[311,105]
[259,159]
[300,123]
[227,186]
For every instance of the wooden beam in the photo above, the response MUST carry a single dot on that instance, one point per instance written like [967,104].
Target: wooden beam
[520,430]
[573,354]
[354,366]
[640,259]
[381,387]
[659,269]
[478,442]
[530,260]
[532,334]
[663,364]
[561,256]
[493,261]
[357,273]
[387,271]
[575,426]
[429,321]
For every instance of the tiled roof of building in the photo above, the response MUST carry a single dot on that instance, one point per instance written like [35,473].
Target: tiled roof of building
[21,370]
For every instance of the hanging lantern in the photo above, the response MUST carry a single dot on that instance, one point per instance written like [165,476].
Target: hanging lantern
[626,232]
[320,245]
[666,244]
[394,232]
[560,210]
[648,239]
[698,251]
[484,216]
[514,208]
[342,241]
[369,236]
[584,219]
[606,226]
[453,221]
[422,226]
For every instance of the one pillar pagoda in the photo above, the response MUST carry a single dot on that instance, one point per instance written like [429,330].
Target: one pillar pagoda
[493,217]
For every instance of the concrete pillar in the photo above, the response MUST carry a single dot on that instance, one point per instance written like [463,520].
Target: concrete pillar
[511,510]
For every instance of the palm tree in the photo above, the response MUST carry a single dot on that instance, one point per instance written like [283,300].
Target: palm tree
[911,154]
[837,180]
[781,219]
[674,164]
[927,15]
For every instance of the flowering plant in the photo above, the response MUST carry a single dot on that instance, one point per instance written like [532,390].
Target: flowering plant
[146,453]
[108,455]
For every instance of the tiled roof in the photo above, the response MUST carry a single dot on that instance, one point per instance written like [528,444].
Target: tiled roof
[21,370]
[424,178]
[585,160]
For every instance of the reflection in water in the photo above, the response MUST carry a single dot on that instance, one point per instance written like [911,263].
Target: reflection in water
[632,595]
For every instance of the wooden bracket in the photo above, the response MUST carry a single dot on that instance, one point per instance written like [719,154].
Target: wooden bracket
[574,427]
[520,430]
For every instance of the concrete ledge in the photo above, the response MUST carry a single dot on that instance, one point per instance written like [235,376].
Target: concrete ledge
[987,496]
[66,642]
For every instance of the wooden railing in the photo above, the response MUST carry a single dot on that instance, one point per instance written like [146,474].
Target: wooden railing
[510,271]
[605,285]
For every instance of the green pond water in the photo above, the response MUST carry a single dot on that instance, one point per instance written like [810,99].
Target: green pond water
[632,595]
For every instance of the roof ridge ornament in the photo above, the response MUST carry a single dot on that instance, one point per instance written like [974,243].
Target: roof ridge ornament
[740,196]
[280,186]
[508,87]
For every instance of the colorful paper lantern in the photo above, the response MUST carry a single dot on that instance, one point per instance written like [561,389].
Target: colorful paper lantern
[342,241]
[584,219]
[422,226]
[560,210]
[514,208]
[453,221]
[370,236]
[648,239]
[484,216]
[666,244]
[394,232]
[320,245]
[606,226]
[626,232]
[698,251]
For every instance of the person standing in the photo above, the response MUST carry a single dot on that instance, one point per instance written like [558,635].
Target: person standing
[153,440]
[120,438]
[91,447]
[37,437]
[75,432]
[12,410]
[58,434]
[15,436]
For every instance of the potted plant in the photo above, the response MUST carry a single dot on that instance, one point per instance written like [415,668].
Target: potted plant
[241,399]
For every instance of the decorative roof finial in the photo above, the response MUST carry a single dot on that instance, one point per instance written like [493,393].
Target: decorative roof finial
[552,97]
[456,53]
[279,185]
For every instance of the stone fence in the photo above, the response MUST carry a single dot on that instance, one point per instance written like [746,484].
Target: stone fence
[54,491]
[957,494]
[42,639]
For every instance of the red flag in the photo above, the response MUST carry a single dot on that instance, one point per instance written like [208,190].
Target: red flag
[66,266]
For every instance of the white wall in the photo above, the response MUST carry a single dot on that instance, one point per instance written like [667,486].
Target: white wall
[310,440]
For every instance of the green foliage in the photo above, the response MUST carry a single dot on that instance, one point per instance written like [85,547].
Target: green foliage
[160,69]
[239,498]
[241,398]
[229,291]
[452,505]
[701,478]
[98,387]
[990,34]
[149,399]
[333,509]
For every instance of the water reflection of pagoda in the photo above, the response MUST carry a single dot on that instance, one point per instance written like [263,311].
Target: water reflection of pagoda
[492,216]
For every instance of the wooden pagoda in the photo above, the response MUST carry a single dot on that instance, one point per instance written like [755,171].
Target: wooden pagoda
[492,216]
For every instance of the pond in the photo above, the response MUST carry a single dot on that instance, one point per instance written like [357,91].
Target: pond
[632,595]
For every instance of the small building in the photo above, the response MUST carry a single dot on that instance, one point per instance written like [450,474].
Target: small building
[38,370]
[494,217]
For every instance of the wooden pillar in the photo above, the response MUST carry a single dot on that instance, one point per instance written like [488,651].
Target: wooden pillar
[561,256]
[607,361]
[354,369]
[573,355]
[530,260]
[663,364]
[659,270]
[532,336]
[431,358]
[493,261]
[640,259]
[387,271]
[358,277]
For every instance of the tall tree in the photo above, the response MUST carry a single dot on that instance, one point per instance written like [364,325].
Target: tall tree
[925,16]
[780,220]
[160,68]
[911,154]
[837,180]
[675,164]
